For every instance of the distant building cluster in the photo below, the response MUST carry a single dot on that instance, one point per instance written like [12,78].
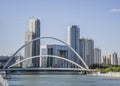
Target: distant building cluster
[83,46]
[111,59]
[4,59]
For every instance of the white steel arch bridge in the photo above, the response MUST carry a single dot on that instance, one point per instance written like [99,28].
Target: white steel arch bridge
[6,66]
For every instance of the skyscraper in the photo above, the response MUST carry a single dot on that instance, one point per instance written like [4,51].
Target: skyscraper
[28,49]
[33,49]
[114,59]
[87,50]
[97,56]
[73,40]
[119,61]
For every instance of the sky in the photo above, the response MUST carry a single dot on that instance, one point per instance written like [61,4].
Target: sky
[97,19]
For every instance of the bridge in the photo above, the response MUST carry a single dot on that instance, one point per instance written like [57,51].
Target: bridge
[43,69]
[8,67]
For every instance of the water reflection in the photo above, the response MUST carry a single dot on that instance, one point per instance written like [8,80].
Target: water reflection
[62,80]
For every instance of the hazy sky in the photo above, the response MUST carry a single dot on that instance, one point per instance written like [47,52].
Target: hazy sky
[97,19]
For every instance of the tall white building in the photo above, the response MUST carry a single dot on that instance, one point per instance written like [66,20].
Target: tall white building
[106,59]
[57,50]
[119,61]
[87,50]
[33,48]
[28,49]
[73,41]
[114,59]
[103,59]
[97,56]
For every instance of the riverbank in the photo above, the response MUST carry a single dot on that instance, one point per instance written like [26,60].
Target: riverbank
[3,82]
[109,74]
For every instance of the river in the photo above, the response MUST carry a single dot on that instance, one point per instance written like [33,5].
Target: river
[62,80]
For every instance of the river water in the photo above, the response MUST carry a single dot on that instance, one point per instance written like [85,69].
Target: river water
[62,80]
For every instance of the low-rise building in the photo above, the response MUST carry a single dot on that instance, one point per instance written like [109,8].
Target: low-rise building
[4,59]
[57,50]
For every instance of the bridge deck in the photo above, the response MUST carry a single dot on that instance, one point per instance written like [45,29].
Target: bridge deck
[43,69]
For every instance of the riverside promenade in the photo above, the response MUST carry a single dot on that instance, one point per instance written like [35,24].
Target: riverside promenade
[109,74]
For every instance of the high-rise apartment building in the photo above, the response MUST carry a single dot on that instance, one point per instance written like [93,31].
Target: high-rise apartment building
[114,59]
[106,59]
[97,56]
[73,37]
[28,49]
[103,59]
[33,48]
[119,61]
[87,50]
[73,41]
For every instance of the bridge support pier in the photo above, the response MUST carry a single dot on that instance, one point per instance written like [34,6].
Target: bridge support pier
[6,73]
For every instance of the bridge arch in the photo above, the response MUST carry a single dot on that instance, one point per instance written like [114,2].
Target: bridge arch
[46,38]
[49,56]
